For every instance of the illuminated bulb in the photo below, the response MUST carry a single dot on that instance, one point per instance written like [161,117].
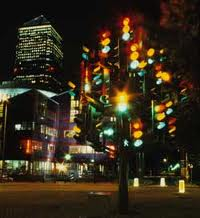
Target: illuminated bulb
[126,36]
[169,111]
[134,64]
[138,143]
[106,49]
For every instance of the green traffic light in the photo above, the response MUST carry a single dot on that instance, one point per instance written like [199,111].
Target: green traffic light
[122,108]
[108,132]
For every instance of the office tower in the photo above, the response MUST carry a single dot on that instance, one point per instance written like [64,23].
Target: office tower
[39,56]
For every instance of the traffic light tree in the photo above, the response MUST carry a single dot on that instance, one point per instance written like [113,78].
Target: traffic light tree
[134,94]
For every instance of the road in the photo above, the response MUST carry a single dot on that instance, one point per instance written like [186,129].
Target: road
[70,200]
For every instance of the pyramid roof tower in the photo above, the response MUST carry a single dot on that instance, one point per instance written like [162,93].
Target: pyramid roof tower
[40,20]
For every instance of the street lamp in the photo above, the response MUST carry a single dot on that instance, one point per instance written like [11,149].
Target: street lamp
[4,107]
[123,140]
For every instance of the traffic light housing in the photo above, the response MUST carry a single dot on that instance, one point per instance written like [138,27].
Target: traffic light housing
[126,29]
[122,102]
[105,42]
[159,115]
[137,132]
[80,128]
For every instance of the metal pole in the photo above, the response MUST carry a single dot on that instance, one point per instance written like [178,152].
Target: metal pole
[4,139]
[123,172]
[152,116]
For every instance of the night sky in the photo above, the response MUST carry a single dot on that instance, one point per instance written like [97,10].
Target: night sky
[77,23]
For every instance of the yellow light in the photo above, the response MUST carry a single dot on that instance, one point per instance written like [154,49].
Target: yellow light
[142,64]
[150,52]
[106,71]
[105,42]
[122,97]
[137,134]
[161,51]
[136,182]
[96,69]
[181,186]
[134,55]
[162,182]
[169,104]
[126,21]
[166,76]
[71,84]
[76,129]
[172,129]
[126,29]
[134,47]
[159,108]
[136,125]
[85,49]
[158,74]
[160,116]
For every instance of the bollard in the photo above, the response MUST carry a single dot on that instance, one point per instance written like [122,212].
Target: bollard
[162,182]
[181,186]
[136,182]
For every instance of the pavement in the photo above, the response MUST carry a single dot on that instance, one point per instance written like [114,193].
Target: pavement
[96,200]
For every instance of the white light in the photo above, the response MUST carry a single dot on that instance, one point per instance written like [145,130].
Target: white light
[169,111]
[150,61]
[122,107]
[126,36]
[106,49]
[136,182]
[161,125]
[159,81]
[134,64]
[68,157]
[87,87]
[138,143]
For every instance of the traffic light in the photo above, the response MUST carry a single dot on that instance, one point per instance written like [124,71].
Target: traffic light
[80,128]
[171,118]
[159,114]
[122,102]
[105,42]
[85,53]
[171,126]
[137,132]
[126,29]
[134,55]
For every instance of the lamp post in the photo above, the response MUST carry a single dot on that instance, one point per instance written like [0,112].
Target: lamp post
[4,102]
[123,141]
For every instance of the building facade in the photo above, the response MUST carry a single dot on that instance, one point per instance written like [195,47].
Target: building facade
[39,55]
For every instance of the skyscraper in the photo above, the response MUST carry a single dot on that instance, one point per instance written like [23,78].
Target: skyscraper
[39,56]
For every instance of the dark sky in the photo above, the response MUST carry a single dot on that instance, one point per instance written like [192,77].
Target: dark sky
[78,22]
